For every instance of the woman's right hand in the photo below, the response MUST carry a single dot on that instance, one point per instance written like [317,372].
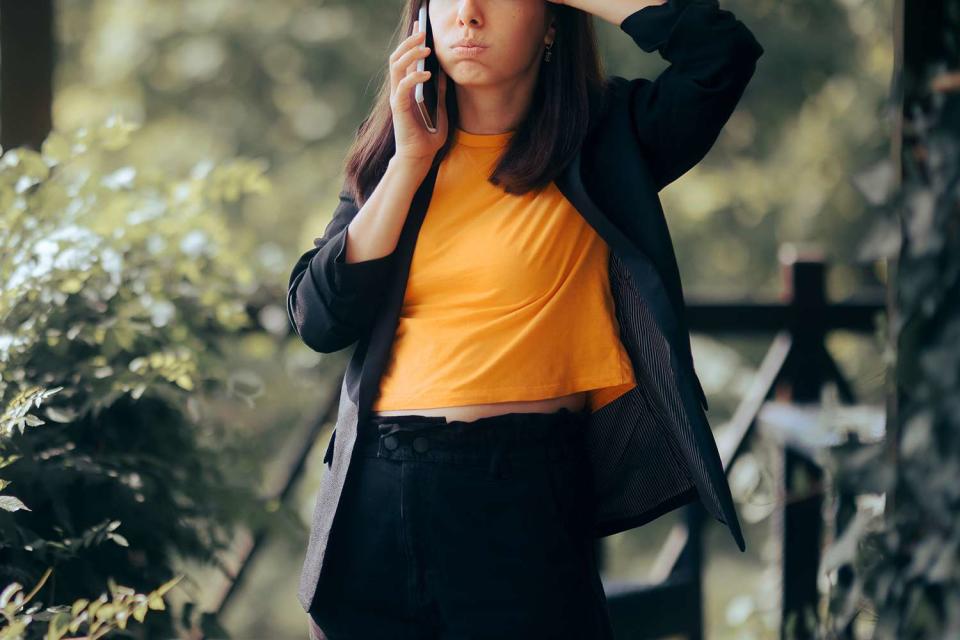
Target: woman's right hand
[414,143]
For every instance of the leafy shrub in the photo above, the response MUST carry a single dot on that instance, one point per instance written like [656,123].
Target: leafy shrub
[119,285]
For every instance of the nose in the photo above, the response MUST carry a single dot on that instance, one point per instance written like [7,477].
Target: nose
[468,12]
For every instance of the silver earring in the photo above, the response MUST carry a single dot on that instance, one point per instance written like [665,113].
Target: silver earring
[546,56]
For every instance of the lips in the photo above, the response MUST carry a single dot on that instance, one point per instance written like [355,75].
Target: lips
[467,42]
[468,49]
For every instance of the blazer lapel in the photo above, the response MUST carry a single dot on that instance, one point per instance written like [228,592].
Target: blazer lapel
[382,333]
[645,276]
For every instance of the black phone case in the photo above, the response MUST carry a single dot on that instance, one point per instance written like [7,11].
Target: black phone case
[430,92]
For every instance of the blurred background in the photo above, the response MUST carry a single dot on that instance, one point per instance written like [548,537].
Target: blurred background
[196,150]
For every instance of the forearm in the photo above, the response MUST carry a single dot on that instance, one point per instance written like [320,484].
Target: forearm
[613,11]
[375,230]
[335,288]
[677,116]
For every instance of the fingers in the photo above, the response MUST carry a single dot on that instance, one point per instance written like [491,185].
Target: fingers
[409,42]
[408,61]
[405,55]
[406,66]
[403,95]
[407,83]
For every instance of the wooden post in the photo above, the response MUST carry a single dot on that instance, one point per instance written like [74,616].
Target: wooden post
[799,523]
[26,72]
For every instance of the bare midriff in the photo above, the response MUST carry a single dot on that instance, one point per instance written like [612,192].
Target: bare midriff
[574,402]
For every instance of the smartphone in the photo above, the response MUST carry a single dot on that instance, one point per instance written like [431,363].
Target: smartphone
[426,94]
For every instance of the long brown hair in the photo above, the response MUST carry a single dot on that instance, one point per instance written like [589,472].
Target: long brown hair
[543,143]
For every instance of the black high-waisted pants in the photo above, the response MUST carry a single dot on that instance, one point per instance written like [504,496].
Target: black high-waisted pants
[464,530]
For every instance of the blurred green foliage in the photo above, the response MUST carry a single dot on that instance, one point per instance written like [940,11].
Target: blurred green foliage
[95,618]
[893,570]
[119,285]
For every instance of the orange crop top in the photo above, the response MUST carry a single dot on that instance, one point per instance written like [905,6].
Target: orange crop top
[508,297]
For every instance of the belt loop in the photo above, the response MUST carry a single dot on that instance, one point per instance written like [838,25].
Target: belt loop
[387,428]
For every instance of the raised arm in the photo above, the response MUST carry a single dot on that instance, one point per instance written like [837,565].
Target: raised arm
[678,116]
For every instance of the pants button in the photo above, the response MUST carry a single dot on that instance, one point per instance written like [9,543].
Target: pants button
[391,442]
[421,444]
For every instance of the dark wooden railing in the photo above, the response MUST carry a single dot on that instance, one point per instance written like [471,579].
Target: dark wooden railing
[795,368]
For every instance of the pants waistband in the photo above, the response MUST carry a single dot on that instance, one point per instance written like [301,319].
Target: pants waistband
[394,436]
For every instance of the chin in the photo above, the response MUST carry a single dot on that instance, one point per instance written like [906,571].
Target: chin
[469,78]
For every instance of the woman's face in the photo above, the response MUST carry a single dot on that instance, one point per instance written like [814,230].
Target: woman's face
[512,32]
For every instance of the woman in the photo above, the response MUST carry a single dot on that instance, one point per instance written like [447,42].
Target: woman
[522,381]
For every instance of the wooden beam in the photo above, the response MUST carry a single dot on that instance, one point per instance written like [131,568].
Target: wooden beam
[27,52]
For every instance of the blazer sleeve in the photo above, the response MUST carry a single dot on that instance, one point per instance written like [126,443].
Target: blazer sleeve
[678,116]
[331,303]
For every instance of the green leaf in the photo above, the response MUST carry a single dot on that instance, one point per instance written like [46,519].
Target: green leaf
[11,503]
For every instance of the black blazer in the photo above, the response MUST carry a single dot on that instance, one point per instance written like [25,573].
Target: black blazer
[652,449]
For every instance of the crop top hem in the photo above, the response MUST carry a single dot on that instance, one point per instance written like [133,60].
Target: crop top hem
[475,396]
